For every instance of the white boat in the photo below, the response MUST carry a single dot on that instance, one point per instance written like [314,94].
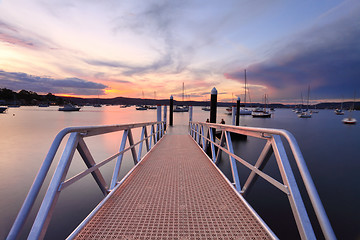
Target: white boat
[69,108]
[306,113]
[141,108]
[349,120]
[97,105]
[205,109]
[2,109]
[261,113]
[181,109]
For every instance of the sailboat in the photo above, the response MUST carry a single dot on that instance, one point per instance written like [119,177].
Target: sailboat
[153,106]
[339,111]
[350,119]
[180,108]
[142,107]
[261,114]
[245,111]
[306,113]
[206,108]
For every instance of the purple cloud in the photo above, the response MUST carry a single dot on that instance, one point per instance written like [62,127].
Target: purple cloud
[17,81]
[326,57]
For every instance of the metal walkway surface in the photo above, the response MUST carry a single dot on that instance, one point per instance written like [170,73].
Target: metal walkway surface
[175,192]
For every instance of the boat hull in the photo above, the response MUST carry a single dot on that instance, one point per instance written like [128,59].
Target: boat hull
[261,115]
[2,109]
[349,121]
[69,110]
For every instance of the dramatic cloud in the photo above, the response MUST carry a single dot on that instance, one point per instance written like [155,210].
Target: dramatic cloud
[325,57]
[129,70]
[285,45]
[17,81]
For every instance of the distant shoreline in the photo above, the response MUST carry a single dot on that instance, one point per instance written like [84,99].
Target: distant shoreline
[29,98]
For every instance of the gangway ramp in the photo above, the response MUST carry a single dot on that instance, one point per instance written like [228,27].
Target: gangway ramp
[175,192]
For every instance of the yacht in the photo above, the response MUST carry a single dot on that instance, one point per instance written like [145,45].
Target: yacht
[69,108]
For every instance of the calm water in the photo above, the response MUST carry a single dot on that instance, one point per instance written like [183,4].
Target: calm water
[330,149]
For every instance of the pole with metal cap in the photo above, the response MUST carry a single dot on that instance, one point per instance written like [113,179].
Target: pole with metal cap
[238,111]
[213,105]
[165,116]
[233,109]
[171,110]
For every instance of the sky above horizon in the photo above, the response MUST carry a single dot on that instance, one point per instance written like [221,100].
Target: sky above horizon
[149,48]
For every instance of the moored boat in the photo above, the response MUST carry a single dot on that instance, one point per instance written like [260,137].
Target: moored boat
[261,113]
[2,109]
[349,120]
[339,112]
[181,109]
[69,108]
[141,107]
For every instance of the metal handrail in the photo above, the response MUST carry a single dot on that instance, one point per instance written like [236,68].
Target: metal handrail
[58,182]
[203,134]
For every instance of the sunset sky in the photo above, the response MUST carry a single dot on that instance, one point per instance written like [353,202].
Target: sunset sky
[116,48]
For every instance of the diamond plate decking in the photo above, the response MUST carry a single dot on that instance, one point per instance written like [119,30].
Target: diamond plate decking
[174,193]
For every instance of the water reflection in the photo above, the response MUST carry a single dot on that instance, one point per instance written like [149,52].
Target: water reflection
[329,148]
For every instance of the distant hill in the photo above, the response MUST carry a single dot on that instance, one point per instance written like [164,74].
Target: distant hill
[25,97]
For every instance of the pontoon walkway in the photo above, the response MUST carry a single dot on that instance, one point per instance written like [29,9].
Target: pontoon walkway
[175,192]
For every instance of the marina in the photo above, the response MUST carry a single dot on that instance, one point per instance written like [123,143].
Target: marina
[282,117]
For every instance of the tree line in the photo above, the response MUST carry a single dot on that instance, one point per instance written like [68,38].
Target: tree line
[25,97]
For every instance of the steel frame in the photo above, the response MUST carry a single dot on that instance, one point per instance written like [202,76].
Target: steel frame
[274,146]
[59,182]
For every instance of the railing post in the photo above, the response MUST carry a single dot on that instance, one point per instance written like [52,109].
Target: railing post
[297,206]
[233,115]
[203,138]
[165,117]
[198,133]
[158,119]
[34,190]
[119,160]
[211,131]
[233,162]
[42,219]
[147,140]
[171,110]
[190,113]
[141,143]
[151,137]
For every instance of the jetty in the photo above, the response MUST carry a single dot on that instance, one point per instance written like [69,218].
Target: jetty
[175,190]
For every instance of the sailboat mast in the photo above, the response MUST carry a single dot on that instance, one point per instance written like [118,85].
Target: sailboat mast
[183,90]
[308,97]
[245,89]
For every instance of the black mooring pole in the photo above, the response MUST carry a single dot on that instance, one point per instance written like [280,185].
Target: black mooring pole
[213,105]
[171,111]
[238,111]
